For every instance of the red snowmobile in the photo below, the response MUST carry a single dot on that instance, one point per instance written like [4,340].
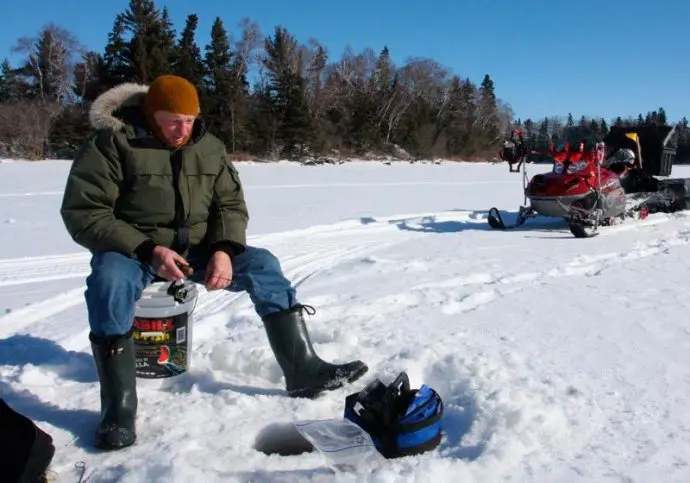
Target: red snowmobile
[602,182]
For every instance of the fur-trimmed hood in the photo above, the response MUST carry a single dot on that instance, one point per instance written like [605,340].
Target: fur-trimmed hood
[101,114]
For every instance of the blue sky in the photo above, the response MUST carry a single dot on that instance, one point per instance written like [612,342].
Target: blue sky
[605,57]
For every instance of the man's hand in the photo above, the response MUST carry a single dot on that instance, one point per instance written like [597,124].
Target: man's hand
[165,262]
[218,271]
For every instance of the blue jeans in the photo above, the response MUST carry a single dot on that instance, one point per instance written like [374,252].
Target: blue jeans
[117,281]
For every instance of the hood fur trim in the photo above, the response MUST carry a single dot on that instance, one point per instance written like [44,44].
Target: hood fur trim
[101,113]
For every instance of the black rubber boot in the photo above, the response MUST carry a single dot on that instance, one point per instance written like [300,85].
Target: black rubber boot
[306,374]
[114,356]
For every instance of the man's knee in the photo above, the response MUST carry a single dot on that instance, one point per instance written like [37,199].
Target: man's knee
[113,272]
[260,259]
[258,271]
[112,289]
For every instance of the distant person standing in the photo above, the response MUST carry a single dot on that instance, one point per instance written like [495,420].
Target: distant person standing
[514,151]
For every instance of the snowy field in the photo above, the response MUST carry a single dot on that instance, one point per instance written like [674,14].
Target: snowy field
[558,359]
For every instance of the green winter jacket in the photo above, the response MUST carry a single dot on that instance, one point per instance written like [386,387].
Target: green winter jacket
[128,192]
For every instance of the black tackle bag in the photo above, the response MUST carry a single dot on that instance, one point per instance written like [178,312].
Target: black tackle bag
[25,450]
[401,421]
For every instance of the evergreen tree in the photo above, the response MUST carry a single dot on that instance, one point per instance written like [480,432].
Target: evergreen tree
[12,86]
[116,62]
[594,126]
[470,144]
[661,117]
[218,81]
[449,125]
[544,134]
[603,128]
[288,93]
[149,50]
[187,61]
[488,110]
[262,121]
[166,52]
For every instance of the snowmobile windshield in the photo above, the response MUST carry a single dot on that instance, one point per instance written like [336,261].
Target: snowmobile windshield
[575,136]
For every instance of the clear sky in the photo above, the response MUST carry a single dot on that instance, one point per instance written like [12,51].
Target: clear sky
[547,57]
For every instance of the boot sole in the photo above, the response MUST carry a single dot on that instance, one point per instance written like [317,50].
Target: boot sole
[113,442]
[312,392]
[111,447]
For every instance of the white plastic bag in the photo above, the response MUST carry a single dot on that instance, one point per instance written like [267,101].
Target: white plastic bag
[346,446]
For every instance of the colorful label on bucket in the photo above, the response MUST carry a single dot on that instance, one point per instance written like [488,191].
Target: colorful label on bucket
[160,346]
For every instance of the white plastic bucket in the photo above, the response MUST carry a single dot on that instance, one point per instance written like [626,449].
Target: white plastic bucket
[162,330]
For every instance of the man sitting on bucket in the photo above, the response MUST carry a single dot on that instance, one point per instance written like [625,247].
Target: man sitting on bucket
[152,189]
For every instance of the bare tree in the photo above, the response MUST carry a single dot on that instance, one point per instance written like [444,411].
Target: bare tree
[425,79]
[50,60]
[419,80]
[353,70]
[245,55]
[394,107]
[247,48]
[505,115]
[315,57]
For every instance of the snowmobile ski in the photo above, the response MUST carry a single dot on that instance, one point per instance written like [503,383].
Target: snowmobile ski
[496,221]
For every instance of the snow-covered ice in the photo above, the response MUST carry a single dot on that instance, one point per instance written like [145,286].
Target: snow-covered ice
[558,359]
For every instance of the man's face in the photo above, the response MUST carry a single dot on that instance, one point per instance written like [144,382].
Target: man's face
[175,127]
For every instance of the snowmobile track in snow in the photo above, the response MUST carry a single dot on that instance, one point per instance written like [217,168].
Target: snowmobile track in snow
[18,271]
[497,286]
[19,319]
[314,257]
[319,248]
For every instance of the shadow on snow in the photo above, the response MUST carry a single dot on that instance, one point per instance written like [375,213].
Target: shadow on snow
[470,220]
[22,350]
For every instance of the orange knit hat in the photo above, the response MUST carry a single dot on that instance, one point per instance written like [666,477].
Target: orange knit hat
[173,94]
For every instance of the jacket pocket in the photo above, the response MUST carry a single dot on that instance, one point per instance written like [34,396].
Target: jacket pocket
[200,182]
[147,195]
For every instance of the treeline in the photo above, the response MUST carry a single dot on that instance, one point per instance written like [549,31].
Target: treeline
[538,135]
[266,96]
